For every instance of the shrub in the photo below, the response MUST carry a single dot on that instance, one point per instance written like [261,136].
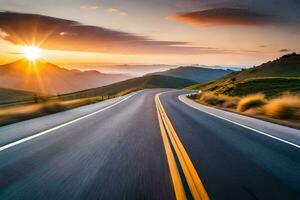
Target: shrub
[251,101]
[286,107]
[231,102]
[256,111]
[218,100]
[212,99]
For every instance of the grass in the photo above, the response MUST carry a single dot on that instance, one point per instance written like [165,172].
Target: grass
[8,96]
[217,100]
[271,87]
[251,101]
[271,78]
[15,114]
[285,107]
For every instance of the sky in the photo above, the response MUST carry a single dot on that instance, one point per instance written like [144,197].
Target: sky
[83,33]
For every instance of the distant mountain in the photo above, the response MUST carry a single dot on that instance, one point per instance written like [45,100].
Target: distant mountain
[151,81]
[197,74]
[232,68]
[272,78]
[44,77]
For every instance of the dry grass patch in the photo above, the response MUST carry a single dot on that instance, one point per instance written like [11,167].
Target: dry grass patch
[251,102]
[285,107]
[217,100]
[22,112]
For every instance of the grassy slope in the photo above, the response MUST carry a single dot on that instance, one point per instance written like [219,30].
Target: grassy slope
[271,87]
[11,95]
[271,78]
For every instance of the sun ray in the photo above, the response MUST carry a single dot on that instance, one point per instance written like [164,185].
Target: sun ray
[31,52]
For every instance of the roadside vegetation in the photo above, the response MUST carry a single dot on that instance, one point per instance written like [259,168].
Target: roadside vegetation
[251,102]
[271,78]
[43,106]
[284,107]
[269,91]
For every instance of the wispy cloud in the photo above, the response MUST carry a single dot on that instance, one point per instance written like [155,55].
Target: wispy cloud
[90,7]
[116,11]
[61,34]
[224,17]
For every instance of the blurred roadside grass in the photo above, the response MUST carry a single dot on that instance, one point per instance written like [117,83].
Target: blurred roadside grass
[14,114]
[284,107]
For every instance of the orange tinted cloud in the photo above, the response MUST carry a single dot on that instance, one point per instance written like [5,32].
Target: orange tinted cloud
[224,17]
[61,34]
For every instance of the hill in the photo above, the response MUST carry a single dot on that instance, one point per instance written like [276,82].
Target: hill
[272,78]
[120,88]
[44,104]
[10,95]
[197,74]
[44,77]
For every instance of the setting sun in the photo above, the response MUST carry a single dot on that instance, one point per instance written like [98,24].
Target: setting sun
[32,53]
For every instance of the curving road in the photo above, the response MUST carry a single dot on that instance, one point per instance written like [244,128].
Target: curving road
[118,149]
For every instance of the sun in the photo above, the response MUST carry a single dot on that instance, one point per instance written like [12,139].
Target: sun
[31,52]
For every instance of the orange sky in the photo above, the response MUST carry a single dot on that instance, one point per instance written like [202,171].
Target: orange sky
[84,33]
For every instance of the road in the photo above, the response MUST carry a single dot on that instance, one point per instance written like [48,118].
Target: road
[142,147]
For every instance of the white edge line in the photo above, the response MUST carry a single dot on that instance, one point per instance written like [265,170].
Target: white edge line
[7,146]
[236,123]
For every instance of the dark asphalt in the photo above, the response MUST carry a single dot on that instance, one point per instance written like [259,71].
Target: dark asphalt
[234,162]
[119,154]
[116,154]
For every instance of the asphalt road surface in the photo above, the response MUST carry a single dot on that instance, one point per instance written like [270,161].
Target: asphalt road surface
[134,147]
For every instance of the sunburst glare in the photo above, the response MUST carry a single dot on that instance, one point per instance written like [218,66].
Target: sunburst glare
[31,52]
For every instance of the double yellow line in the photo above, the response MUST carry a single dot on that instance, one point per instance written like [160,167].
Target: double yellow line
[190,174]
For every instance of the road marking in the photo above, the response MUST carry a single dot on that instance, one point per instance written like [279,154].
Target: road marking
[175,176]
[195,185]
[7,146]
[236,123]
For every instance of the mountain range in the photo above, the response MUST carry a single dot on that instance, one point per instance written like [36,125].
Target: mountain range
[197,74]
[44,77]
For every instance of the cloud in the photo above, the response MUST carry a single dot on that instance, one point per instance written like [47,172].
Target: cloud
[116,11]
[61,34]
[224,17]
[90,7]
[112,10]
[122,13]
[3,34]
[284,50]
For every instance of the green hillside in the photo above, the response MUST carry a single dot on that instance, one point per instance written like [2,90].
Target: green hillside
[151,81]
[272,78]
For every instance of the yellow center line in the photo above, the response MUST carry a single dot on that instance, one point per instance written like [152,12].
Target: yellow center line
[196,186]
[175,176]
